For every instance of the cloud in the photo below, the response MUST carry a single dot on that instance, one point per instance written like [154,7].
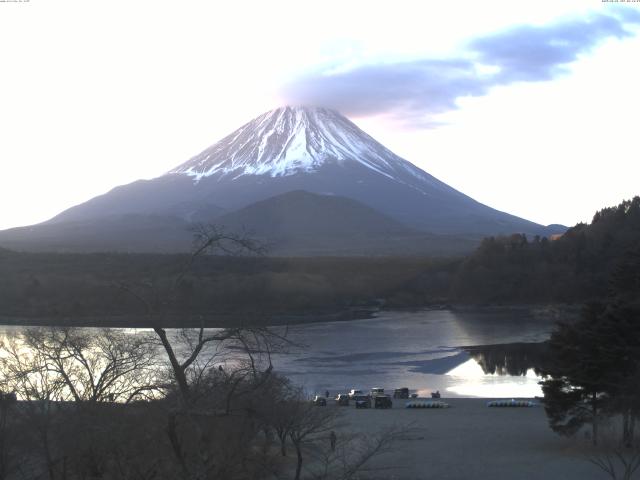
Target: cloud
[419,89]
[413,88]
[533,54]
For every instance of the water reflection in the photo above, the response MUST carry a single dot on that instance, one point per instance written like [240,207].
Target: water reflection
[474,383]
[504,370]
[420,350]
[515,359]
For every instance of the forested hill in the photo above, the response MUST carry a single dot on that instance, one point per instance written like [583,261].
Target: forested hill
[573,268]
[89,289]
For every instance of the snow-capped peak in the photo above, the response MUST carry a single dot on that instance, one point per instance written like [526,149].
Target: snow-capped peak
[291,140]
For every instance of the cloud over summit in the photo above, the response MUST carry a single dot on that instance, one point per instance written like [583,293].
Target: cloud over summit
[416,90]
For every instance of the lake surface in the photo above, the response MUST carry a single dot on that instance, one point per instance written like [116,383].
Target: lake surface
[420,350]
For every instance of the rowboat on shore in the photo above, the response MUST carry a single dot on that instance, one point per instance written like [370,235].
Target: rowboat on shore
[426,404]
[511,403]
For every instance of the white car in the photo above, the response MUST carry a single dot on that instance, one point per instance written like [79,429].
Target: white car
[355,393]
[377,391]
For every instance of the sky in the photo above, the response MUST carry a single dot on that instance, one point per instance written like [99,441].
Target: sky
[528,107]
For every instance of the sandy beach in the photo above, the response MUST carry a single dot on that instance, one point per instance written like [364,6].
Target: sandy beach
[472,441]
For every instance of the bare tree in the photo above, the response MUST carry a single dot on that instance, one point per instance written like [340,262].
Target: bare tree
[96,366]
[24,372]
[242,355]
[158,302]
[354,453]
[275,410]
[619,460]
[56,369]
[309,424]
[619,463]
[7,404]
[310,430]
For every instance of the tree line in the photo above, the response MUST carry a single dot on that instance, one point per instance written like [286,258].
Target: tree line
[592,372]
[595,367]
[574,268]
[84,289]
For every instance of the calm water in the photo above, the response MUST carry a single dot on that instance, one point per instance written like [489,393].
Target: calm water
[420,350]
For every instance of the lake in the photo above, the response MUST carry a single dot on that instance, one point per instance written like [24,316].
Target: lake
[420,350]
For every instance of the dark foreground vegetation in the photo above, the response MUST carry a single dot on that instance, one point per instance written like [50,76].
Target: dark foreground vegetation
[592,373]
[192,404]
[109,405]
[595,367]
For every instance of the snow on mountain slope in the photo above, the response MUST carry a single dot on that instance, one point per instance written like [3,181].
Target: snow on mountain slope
[291,140]
[309,149]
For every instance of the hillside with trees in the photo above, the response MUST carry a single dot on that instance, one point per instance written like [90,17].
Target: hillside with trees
[575,267]
[593,368]
[86,289]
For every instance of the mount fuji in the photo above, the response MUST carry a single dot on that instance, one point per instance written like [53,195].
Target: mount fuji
[289,165]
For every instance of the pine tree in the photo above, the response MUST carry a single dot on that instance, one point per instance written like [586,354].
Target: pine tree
[575,391]
[595,363]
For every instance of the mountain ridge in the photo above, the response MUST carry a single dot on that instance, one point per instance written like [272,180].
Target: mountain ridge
[309,149]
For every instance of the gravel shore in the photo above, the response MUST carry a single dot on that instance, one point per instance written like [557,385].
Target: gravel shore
[472,441]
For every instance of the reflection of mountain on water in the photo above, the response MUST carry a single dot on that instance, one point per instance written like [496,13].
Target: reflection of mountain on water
[436,366]
[510,359]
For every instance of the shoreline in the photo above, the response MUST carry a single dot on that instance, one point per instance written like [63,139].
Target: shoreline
[224,320]
[471,440]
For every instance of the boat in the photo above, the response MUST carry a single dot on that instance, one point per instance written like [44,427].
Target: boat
[426,404]
[511,403]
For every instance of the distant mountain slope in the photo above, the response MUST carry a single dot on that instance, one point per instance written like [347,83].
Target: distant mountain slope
[312,149]
[302,213]
[381,202]
[294,223]
[115,233]
[300,222]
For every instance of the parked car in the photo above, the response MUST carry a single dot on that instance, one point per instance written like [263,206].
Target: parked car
[401,393]
[354,393]
[377,391]
[382,401]
[320,401]
[342,400]
[362,401]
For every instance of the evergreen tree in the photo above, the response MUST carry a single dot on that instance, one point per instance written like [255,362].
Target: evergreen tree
[575,391]
[595,363]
